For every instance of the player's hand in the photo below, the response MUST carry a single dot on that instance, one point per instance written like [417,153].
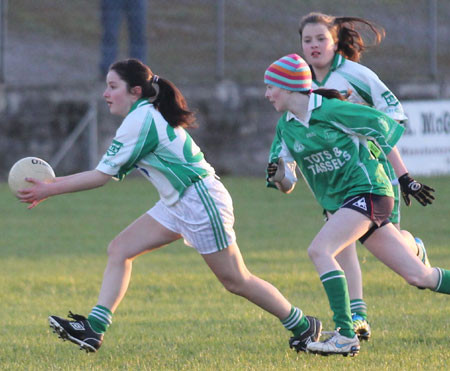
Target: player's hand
[271,170]
[410,187]
[33,195]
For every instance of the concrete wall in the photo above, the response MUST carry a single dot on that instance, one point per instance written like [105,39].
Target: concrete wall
[235,133]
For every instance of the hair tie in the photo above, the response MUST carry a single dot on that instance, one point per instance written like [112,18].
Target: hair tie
[155,86]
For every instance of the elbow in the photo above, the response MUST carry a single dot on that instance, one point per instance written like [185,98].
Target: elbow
[101,178]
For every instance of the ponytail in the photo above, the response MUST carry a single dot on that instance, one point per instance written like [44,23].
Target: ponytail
[172,105]
[329,93]
[350,41]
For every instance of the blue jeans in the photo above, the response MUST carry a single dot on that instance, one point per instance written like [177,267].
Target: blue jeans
[111,17]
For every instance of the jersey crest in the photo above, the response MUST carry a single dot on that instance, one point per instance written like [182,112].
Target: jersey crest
[298,147]
[114,148]
[390,98]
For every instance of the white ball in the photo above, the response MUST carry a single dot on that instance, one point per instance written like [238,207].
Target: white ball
[29,167]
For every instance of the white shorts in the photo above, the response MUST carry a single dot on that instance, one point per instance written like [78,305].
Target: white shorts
[203,216]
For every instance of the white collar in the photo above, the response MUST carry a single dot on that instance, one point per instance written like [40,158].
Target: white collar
[315,101]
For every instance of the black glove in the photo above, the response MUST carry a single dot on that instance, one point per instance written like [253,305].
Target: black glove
[271,170]
[419,191]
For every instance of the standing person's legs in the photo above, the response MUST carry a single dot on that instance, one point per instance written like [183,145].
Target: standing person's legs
[137,22]
[111,14]
[230,269]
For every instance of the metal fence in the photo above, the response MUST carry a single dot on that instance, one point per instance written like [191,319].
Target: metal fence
[201,41]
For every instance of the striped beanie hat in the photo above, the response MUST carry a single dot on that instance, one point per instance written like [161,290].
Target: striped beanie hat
[290,72]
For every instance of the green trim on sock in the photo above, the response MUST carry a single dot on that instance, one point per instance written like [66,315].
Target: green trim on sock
[100,318]
[443,285]
[359,307]
[104,309]
[290,317]
[336,288]
[296,321]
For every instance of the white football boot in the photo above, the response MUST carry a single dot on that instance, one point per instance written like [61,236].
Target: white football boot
[336,344]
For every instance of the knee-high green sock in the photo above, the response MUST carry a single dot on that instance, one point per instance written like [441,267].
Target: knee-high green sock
[359,307]
[100,319]
[296,321]
[336,288]
[443,285]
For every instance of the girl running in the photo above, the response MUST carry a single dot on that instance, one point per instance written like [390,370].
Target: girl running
[328,140]
[194,205]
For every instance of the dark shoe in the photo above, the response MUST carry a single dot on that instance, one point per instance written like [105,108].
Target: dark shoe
[312,334]
[79,331]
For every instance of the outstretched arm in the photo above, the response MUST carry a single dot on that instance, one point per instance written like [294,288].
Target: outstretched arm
[397,162]
[67,184]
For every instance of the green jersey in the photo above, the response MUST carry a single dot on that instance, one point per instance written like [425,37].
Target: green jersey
[166,156]
[359,84]
[331,151]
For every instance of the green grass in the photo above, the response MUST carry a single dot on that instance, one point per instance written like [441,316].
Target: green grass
[176,316]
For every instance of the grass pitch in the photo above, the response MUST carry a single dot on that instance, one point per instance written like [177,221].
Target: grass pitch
[176,315]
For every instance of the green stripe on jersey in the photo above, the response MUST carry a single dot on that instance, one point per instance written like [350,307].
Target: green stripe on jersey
[213,214]
[146,143]
[362,88]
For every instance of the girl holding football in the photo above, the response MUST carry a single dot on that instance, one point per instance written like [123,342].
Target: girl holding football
[328,140]
[332,46]
[193,205]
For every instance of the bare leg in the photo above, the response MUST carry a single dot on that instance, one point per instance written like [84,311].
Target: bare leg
[342,229]
[409,238]
[229,267]
[143,235]
[348,260]
[389,246]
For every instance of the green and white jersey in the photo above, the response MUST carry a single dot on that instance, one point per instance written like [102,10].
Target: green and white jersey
[330,149]
[166,156]
[361,85]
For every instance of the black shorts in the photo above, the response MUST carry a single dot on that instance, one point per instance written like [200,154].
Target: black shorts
[377,208]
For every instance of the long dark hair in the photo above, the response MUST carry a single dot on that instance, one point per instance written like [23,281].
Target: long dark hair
[164,95]
[329,93]
[347,32]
